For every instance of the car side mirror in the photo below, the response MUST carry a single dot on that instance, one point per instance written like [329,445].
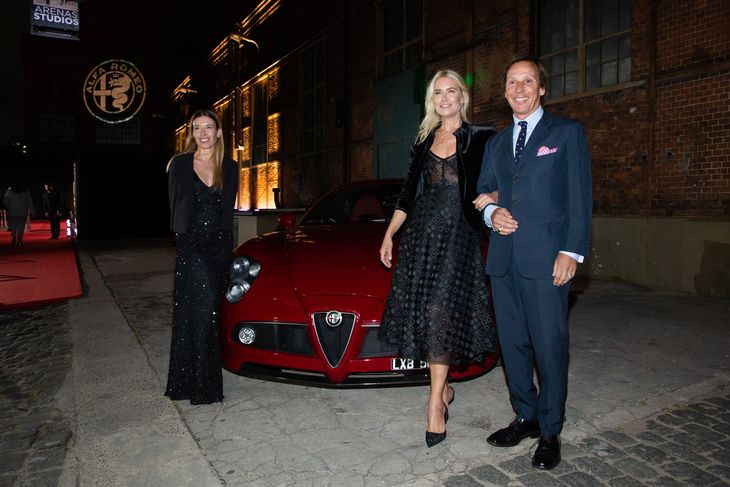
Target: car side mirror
[287,220]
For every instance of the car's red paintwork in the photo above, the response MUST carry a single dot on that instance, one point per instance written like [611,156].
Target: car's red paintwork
[312,269]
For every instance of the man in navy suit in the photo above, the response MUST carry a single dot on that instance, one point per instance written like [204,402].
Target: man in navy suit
[541,224]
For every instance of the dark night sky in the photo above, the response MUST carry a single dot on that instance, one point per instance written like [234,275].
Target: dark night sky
[197,27]
[12,119]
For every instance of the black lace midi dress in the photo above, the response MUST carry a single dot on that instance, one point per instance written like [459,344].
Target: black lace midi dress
[201,268]
[438,306]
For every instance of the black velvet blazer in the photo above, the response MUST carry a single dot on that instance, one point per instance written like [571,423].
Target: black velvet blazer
[181,193]
[470,143]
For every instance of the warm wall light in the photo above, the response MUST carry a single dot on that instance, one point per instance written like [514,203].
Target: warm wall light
[273,133]
[245,102]
[244,189]
[180,135]
[258,16]
[241,39]
[256,189]
[266,179]
[246,143]
[221,107]
[273,83]
[219,52]
[182,89]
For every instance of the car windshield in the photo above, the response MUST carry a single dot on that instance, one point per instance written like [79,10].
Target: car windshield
[360,204]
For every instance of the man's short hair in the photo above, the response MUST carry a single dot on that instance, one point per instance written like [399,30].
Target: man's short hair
[530,59]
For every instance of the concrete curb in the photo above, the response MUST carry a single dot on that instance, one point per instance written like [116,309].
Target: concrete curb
[127,432]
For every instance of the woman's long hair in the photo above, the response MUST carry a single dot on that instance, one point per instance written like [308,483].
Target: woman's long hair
[433,119]
[218,151]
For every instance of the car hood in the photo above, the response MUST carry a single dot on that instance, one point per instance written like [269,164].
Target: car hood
[337,259]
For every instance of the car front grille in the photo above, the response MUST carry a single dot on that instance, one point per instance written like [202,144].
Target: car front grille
[373,346]
[278,337]
[334,338]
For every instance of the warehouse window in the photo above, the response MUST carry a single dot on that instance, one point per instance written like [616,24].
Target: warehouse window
[57,128]
[584,44]
[128,133]
[400,35]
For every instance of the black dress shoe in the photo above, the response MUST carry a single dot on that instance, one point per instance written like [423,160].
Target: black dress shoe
[547,455]
[518,430]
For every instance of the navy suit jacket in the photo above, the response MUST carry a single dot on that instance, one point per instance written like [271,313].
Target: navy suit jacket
[548,192]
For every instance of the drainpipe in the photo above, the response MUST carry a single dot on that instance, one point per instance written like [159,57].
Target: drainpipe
[652,101]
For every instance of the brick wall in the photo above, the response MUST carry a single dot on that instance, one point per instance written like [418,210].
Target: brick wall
[662,148]
[691,174]
[691,32]
[616,126]
[692,159]
[659,144]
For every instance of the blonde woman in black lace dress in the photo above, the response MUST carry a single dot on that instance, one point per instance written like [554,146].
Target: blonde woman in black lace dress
[438,308]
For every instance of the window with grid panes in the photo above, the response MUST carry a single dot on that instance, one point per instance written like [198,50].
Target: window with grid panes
[57,128]
[402,34]
[129,132]
[584,44]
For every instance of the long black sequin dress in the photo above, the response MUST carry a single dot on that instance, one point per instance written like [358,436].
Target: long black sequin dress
[438,306]
[201,266]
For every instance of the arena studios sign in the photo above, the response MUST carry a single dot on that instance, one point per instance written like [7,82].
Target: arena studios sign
[55,18]
[114,91]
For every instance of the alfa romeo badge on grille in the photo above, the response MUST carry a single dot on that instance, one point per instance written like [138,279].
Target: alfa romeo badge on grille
[333,318]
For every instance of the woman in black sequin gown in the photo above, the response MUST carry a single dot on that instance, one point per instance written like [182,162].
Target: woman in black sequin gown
[438,308]
[202,191]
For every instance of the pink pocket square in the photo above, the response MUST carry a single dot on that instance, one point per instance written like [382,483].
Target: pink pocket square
[545,150]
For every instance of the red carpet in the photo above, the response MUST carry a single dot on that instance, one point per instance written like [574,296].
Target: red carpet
[41,271]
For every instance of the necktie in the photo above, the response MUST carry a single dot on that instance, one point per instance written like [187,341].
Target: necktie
[520,145]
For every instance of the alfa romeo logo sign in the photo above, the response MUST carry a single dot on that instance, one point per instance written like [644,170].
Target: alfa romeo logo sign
[114,91]
[333,318]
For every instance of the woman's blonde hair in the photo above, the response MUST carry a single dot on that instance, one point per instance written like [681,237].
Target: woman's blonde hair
[433,119]
[218,151]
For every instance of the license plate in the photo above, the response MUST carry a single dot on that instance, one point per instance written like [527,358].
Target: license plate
[407,364]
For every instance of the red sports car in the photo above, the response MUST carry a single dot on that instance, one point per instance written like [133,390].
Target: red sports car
[304,303]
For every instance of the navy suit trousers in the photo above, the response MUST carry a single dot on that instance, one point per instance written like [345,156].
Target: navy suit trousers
[532,323]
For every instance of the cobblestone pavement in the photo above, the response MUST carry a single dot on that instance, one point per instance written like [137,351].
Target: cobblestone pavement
[681,446]
[36,419]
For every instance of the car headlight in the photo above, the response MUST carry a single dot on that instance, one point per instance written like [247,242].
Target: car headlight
[244,271]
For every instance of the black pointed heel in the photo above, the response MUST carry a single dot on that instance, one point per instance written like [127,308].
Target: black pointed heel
[434,438]
[446,406]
